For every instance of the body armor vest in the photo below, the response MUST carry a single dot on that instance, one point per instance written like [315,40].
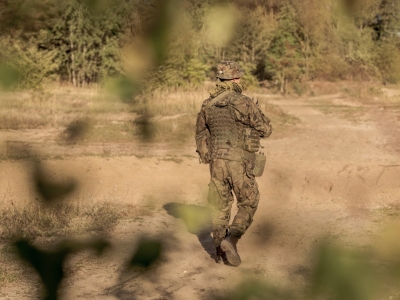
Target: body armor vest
[229,136]
[251,140]
[223,128]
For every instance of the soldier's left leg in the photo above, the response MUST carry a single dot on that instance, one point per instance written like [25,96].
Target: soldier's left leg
[247,195]
[221,198]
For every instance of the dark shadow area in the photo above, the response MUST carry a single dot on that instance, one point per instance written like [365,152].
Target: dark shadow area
[263,232]
[126,279]
[146,259]
[51,191]
[206,241]
[252,289]
[75,131]
[198,221]
[49,264]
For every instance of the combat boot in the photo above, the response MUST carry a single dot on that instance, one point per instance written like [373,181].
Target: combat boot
[228,245]
[220,255]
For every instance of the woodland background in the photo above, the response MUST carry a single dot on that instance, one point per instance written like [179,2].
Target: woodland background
[156,44]
[65,141]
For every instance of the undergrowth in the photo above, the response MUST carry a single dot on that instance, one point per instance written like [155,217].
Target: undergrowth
[169,114]
[43,224]
[62,219]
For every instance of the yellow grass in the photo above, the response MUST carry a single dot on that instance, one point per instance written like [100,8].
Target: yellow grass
[164,115]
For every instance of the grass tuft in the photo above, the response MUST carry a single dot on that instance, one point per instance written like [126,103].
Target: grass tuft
[62,219]
[45,224]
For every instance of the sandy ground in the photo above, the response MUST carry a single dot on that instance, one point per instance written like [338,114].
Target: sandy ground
[329,177]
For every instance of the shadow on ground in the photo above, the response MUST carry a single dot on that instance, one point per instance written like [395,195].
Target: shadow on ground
[198,221]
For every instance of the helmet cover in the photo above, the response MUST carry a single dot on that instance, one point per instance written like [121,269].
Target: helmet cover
[229,70]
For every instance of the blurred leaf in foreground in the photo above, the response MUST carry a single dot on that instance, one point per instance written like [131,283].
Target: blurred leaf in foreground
[9,77]
[49,189]
[220,24]
[146,127]
[195,217]
[76,130]
[49,264]
[124,87]
[160,28]
[147,252]
[388,250]
[146,50]
[343,274]
[255,290]
[96,6]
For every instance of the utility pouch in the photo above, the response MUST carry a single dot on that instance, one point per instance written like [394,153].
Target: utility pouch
[259,164]
[251,140]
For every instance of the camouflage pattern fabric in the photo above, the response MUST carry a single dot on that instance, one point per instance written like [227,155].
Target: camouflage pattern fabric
[244,112]
[231,162]
[229,70]
[222,86]
[228,176]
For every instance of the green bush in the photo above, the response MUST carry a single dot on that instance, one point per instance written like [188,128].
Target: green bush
[387,60]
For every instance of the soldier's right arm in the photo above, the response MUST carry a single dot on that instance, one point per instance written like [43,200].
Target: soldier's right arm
[203,136]
[260,122]
[250,114]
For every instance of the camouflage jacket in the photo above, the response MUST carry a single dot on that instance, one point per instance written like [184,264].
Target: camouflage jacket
[245,121]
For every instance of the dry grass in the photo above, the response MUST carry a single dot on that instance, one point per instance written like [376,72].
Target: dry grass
[278,116]
[45,225]
[54,108]
[170,103]
[364,92]
[353,101]
[37,220]
[283,124]
[176,113]
[9,271]
[171,115]
[351,113]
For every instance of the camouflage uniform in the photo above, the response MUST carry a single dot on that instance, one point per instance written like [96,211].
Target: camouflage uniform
[228,131]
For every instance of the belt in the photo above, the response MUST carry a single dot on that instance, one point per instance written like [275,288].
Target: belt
[235,154]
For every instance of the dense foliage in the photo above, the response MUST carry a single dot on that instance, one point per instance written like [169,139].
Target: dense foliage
[282,44]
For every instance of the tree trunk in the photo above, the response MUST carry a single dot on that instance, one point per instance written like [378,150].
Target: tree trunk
[71,45]
[252,53]
[307,50]
[84,63]
[69,73]
[74,82]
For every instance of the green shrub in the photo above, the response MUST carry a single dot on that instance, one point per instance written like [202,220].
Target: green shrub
[387,60]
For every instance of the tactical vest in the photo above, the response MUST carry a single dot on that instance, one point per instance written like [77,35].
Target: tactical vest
[251,140]
[228,136]
[223,128]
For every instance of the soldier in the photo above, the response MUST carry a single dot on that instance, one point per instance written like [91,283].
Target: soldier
[228,131]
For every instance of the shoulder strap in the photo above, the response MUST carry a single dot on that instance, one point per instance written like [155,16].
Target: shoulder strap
[220,96]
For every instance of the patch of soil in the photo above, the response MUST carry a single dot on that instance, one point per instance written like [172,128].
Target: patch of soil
[326,180]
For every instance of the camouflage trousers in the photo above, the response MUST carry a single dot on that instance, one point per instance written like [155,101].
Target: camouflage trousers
[228,177]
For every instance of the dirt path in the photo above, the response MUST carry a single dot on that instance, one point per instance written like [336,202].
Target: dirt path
[330,178]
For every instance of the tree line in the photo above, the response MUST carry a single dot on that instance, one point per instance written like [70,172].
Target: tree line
[283,44]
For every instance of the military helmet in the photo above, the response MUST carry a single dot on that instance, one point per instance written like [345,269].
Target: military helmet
[229,70]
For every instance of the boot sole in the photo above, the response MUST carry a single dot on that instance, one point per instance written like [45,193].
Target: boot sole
[231,255]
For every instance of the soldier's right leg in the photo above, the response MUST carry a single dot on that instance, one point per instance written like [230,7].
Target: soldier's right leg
[221,198]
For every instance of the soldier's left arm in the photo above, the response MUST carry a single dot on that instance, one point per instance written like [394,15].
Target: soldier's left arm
[202,136]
